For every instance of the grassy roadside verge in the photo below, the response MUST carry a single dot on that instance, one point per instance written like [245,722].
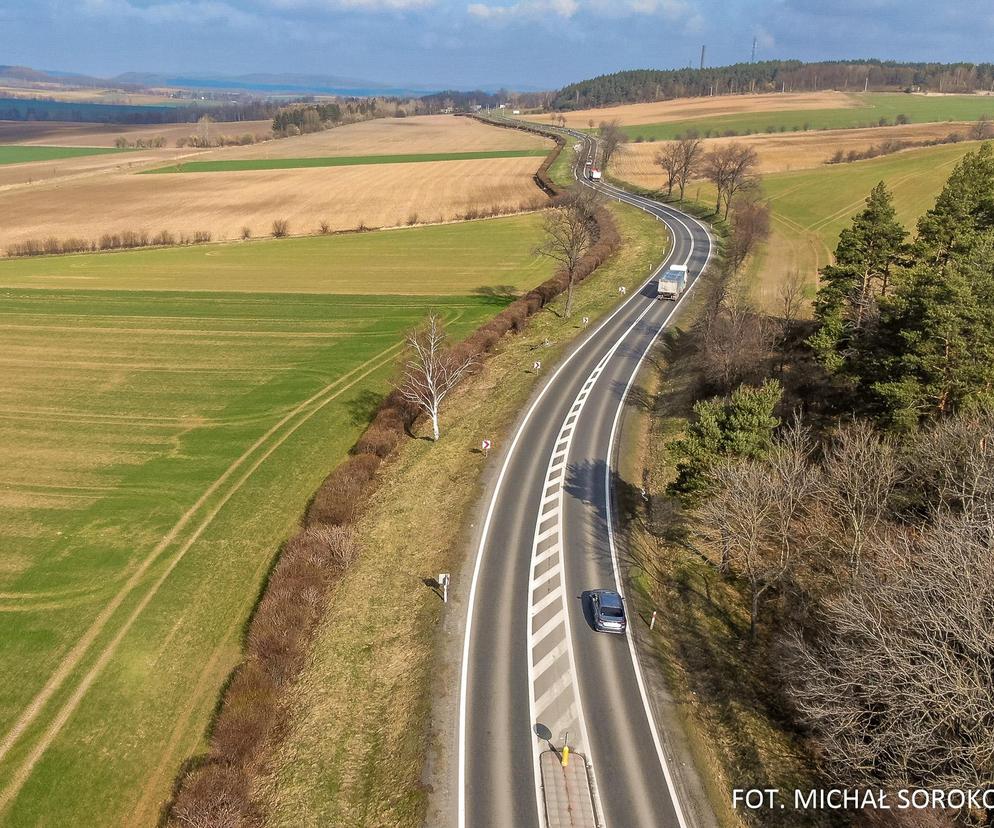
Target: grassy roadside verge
[734,731]
[358,738]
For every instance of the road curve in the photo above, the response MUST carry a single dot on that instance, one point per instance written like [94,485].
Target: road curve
[530,657]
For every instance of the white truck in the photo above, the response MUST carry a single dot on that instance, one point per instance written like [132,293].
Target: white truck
[595,174]
[672,282]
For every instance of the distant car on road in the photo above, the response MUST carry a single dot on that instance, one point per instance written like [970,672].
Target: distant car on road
[609,611]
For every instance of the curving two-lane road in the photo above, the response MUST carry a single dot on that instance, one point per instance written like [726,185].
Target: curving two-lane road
[530,656]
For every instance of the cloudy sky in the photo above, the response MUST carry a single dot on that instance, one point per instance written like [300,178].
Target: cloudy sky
[463,43]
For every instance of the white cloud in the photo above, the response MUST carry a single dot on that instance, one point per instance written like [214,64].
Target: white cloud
[567,9]
[171,11]
[351,5]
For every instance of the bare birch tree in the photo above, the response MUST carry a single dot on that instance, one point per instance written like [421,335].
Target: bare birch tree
[570,231]
[432,369]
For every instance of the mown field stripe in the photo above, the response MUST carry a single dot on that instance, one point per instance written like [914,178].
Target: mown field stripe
[244,164]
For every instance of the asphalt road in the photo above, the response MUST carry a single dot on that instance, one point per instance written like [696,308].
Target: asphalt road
[530,656]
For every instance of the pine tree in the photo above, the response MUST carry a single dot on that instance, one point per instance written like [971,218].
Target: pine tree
[868,253]
[963,211]
[933,353]
[741,425]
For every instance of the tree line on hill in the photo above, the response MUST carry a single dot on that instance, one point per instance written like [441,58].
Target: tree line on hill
[839,472]
[645,85]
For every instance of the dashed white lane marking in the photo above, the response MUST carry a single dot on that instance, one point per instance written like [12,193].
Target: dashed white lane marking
[553,696]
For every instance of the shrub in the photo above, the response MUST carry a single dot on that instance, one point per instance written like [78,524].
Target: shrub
[202,237]
[412,219]
[246,233]
[324,228]
[342,493]
[164,237]
[379,439]
[214,795]
[281,228]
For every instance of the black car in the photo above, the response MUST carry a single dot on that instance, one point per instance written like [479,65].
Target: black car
[609,611]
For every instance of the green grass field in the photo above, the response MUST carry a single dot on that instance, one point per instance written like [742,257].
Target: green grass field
[874,106]
[242,164]
[156,446]
[811,207]
[16,154]
[447,258]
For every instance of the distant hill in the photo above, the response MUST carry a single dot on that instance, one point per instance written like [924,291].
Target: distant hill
[276,84]
[645,85]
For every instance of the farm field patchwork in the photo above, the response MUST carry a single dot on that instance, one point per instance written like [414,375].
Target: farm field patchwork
[780,152]
[156,446]
[868,112]
[680,109]
[14,154]
[781,113]
[89,200]
[242,164]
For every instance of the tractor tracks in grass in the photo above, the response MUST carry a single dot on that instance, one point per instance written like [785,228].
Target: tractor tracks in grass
[226,485]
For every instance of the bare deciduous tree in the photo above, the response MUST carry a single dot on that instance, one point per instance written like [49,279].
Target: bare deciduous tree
[861,471]
[896,685]
[751,524]
[669,159]
[691,150]
[432,368]
[736,339]
[611,137]
[731,168]
[570,231]
[750,226]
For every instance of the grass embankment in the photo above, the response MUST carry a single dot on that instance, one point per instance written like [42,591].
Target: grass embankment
[358,739]
[734,729]
[488,256]
[872,108]
[14,154]
[183,432]
[242,164]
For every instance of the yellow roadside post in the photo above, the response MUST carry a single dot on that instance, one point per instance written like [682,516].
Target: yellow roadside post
[565,759]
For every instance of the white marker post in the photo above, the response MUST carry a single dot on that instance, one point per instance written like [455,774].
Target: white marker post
[485,447]
[443,582]
[586,321]
[652,623]
[537,365]
[622,290]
